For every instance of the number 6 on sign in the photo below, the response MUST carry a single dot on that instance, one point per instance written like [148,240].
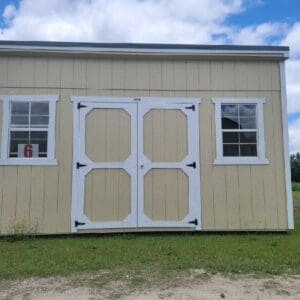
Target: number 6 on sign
[28,150]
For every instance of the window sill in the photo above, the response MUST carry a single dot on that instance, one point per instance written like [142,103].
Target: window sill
[28,161]
[239,161]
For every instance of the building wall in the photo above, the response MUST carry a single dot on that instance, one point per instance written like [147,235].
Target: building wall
[233,197]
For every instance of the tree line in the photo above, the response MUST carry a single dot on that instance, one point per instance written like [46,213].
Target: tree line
[295,167]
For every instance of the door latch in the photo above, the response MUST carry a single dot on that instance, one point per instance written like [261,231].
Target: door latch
[193,165]
[195,222]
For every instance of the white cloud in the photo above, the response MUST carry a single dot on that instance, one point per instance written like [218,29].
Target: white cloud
[9,13]
[190,21]
[294,133]
[292,39]
[257,35]
[293,85]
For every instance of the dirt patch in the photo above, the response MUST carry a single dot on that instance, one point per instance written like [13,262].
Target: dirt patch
[196,284]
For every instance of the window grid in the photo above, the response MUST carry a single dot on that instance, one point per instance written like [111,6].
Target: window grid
[23,128]
[239,130]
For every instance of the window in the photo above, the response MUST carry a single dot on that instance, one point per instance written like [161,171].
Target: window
[28,133]
[239,131]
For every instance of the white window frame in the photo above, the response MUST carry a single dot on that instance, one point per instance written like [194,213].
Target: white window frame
[232,160]
[50,159]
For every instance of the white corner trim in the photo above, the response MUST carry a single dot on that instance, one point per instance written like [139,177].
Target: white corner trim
[222,160]
[285,134]
[5,159]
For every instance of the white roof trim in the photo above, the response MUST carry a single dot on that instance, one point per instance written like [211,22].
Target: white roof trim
[149,51]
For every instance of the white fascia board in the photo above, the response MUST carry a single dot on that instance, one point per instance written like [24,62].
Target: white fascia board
[158,51]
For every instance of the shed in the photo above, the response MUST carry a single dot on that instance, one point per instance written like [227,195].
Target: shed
[101,137]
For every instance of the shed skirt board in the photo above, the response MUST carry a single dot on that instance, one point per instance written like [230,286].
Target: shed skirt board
[135,165]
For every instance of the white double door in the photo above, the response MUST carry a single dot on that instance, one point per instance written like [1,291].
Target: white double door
[135,164]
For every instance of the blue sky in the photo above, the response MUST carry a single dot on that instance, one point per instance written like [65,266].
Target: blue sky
[257,12]
[253,22]
[3,4]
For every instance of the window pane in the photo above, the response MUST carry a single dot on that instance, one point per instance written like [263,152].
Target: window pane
[38,121]
[19,135]
[38,135]
[38,138]
[26,115]
[14,144]
[16,138]
[248,137]
[248,150]
[42,145]
[40,108]
[19,121]
[247,110]
[20,108]
[230,150]
[230,110]
[247,123]
[230,137]
[230,123]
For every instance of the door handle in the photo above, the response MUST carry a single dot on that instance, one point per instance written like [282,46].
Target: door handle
[142,166]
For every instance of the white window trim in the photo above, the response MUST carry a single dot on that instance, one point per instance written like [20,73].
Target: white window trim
[222,160]
[50,159]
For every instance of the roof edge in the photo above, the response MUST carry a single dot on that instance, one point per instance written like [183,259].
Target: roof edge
[144,48]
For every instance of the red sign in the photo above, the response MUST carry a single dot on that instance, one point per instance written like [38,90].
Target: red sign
[28,150]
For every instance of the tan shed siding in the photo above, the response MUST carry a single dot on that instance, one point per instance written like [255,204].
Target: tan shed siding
[233,197]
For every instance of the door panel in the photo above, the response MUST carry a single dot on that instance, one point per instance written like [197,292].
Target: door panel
[107,195]
[165,135]
[108,135]
[168,156]
[166,194]
[106,190]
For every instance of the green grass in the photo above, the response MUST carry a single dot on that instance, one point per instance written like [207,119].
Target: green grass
[272,253]
[296,186]
[296,196]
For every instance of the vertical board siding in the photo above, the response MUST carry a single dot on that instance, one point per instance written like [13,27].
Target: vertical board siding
[232,197]
[206,167]
[107,195]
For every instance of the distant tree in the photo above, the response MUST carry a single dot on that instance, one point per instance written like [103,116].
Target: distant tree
[295,167]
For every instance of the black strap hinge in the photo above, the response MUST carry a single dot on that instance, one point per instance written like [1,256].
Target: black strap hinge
[79,105]
[78,223]
[192,107]
[194,222]
[192,165]
[79,165]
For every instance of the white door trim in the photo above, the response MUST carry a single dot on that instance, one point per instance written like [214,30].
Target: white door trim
[144,165]
[129,165]
[194,187]
[161,100]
